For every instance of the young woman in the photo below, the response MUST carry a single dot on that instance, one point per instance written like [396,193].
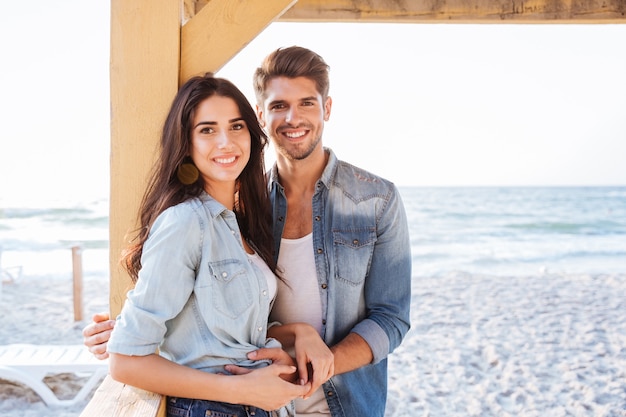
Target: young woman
[204,271]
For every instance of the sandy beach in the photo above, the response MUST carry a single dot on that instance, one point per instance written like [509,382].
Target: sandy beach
[528,346]
[40,310]
[545,345]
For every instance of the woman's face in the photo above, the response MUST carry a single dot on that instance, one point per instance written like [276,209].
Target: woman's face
[220,141]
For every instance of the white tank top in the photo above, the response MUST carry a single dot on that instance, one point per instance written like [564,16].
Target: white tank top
[267,272]
[300,303]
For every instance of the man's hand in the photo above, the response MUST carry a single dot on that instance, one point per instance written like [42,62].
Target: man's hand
[96,335]
[315,361]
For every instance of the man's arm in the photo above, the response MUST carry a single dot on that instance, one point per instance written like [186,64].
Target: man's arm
[387,289]
[97,333]
[351,353]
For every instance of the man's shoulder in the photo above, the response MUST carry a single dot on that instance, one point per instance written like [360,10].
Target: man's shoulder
[348,175]
[361,185]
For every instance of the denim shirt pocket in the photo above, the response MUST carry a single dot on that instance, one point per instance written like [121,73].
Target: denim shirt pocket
[353,254]
[230,287]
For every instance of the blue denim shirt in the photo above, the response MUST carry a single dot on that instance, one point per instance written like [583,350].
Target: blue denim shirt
[363,261]
[199,299]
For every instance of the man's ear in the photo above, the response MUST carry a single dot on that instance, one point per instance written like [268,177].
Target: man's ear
[259,115]
[327,106]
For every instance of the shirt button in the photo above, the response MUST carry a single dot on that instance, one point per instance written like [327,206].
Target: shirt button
[324,286]
[260,329]
[320,250]
[224,274]
[318,218]
[281,218]
[355,242]
[264,292]
[330,393]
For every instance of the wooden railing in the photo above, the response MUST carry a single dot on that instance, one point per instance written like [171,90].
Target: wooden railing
[114,399]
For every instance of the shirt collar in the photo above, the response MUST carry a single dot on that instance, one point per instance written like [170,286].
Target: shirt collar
[215,207]
[327,175]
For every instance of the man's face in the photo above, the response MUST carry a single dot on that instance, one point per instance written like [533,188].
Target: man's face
[293,115]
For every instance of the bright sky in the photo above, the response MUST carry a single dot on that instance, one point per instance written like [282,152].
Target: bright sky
[435,104]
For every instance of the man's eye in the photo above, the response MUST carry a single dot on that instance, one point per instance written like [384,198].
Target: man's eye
[278,107]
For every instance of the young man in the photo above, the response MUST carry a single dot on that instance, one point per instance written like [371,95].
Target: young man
[342,242]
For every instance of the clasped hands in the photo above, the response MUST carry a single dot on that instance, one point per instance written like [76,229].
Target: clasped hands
[314,361]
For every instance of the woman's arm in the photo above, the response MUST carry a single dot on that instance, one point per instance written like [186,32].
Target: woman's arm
[263,388]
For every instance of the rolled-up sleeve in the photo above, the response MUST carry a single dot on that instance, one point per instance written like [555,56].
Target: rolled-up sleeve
[388,285]
[169,260]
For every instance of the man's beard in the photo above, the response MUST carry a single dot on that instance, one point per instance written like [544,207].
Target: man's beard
[296,154]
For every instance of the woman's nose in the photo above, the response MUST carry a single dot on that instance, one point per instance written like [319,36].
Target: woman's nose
[223,139]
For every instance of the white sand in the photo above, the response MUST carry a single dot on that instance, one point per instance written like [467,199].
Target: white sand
[480,346]
[547,346]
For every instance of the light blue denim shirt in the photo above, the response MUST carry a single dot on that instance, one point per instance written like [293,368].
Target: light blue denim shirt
[363,260]
[199,299]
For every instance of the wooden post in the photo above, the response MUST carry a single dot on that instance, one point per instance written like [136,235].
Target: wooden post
[145,51]
[77,275]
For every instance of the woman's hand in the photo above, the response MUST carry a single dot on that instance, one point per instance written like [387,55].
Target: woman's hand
[270,392]
[275,355]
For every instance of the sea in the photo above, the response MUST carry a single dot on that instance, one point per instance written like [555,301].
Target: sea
[497,231]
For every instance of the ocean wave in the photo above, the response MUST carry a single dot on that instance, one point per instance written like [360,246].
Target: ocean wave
[599,227]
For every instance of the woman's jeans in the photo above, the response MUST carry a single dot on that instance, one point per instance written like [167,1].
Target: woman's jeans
[187,407]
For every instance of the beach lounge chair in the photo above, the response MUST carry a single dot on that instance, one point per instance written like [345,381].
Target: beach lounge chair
[29,364]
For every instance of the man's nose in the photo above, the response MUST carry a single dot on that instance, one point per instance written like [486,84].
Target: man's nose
[293,115]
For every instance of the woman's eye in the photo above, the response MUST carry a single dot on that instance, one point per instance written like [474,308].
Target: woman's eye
[239,126]
[206,130]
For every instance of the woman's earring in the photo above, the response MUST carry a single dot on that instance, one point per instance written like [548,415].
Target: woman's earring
[187,173]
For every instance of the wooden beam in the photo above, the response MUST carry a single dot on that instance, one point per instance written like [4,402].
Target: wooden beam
[458,11]
[221,29]
[192,8]
[145,46]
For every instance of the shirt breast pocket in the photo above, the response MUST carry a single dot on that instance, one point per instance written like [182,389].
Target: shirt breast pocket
[230,287]
[353,254]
